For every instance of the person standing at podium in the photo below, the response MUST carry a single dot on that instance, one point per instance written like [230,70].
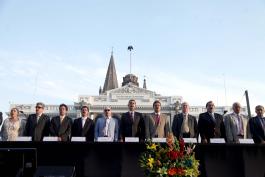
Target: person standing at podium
[132,123]
[38,124]
[13,126]
[61,125]
[257,126]
[235,125]
[107,126]
[84,126]
[185,125]
[156,124]
[210,124]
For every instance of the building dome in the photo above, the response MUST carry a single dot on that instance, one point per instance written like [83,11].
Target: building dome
[130,78]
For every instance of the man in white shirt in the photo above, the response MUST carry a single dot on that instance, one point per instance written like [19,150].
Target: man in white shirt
[235,124]
[84,126]
[107,126]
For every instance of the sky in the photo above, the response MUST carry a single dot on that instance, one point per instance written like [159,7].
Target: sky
[54,50]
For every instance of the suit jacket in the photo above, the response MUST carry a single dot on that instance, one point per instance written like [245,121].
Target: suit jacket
[177,124]
[37,130]
[151,129]
[86,131]
[59,129]
[113,130]
[256,129]
[209,128]
[135,128]
[231,127]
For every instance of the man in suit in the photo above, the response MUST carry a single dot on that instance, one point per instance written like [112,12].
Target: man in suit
[185,125]
[235,125]
[61,125]
[156,124]
[38,124]
[84,126]
[107,126]
[132,123]
[257,126]
[210,124]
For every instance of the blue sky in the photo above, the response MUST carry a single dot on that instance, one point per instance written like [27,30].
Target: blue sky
[54,50]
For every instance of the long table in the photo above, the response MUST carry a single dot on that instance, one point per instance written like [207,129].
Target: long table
[121,159]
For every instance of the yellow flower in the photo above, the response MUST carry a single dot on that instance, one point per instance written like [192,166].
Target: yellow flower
[152,147]
[150,162]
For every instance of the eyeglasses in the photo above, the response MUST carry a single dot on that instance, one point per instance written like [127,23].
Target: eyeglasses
[38,107]
[106,110]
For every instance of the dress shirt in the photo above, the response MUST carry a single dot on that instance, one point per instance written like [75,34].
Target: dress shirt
[62,118]
[106,130]
[83,121]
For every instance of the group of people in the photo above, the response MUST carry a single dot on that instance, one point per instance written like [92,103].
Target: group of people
[231,127]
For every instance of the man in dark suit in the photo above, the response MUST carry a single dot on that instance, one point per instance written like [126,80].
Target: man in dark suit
[257,126]
[210,124]
[38,124]
[185,125]
[61,125]
[84,126]
[132,123]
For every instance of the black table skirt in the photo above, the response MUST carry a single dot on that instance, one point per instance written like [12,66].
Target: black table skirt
[121,159]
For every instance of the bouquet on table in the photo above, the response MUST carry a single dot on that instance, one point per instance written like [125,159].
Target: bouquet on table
[170,159]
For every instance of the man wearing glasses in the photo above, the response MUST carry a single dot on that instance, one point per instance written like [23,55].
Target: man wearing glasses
[38,124]
[107,126]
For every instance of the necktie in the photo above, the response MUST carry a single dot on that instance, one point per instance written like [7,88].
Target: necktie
[131,116]
[212,117]
[262,120]
[157,119]
[106,127]
[38,118]
[240,126]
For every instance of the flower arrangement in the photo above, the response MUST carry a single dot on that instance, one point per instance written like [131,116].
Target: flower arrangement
[170,159]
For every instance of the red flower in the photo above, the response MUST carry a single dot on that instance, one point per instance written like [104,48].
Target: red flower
[172,171]
[175,171]
[181,145]
[173,155]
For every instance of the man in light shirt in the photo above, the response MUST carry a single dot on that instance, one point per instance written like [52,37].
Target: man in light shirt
[107,126]
[235,125]
[185,125]
[84,126]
